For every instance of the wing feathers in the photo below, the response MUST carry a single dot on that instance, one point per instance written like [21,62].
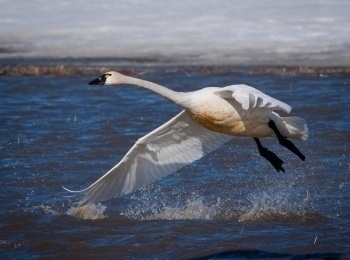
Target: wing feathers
[250,97]
[168,148]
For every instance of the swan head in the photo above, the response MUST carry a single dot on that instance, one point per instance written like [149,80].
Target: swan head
[109,78]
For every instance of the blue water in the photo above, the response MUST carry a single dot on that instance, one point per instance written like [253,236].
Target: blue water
[58,131]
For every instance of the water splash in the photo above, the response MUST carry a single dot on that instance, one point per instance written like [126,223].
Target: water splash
[280,206]
[193,208]
[47,209]
[89,211]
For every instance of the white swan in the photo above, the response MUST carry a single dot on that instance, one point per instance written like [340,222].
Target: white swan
[211,116]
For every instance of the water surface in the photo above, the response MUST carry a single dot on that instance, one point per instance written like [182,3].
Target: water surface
[58,131]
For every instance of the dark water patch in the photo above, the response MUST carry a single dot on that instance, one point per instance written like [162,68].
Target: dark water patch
[258,254]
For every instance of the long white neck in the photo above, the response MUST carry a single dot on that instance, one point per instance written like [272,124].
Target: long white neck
[179,98]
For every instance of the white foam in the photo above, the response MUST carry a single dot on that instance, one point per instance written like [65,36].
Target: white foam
[89,211]
[193,208]
[274,205]
[47,209]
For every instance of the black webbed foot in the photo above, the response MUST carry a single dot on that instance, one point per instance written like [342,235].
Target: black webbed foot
[291,147]
[285,142]
[270,156]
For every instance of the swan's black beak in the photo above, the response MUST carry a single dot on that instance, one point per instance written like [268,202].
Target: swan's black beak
[98,81]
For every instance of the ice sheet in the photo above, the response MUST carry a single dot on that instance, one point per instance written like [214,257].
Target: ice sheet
[215,32]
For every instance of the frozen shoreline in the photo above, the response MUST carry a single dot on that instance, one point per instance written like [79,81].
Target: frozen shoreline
[59,67]
[232,33]
[335,56]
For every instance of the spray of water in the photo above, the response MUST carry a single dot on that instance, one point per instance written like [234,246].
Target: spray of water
[279,206]
[89,211]
[194,208]
[265,206]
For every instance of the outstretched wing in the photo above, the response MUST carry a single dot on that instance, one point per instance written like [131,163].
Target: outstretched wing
[250,97]
[168,148]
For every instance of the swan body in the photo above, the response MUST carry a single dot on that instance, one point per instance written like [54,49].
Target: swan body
[226,115]
[211,117]
[240,110]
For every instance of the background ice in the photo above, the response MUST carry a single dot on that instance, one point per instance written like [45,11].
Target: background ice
[215,32]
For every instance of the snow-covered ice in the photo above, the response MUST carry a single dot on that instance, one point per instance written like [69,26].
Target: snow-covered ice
[214,32]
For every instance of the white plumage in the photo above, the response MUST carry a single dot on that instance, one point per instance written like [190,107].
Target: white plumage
[250,98]
[168,148]
[211,116]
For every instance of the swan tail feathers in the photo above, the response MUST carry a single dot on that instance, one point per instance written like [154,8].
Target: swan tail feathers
[295,127]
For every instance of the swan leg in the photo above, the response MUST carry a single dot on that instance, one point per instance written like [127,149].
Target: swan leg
[270,156]
[284,142]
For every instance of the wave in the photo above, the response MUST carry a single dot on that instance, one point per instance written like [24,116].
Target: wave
[284,216]
[196,208]
[89,211]
[278,206]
